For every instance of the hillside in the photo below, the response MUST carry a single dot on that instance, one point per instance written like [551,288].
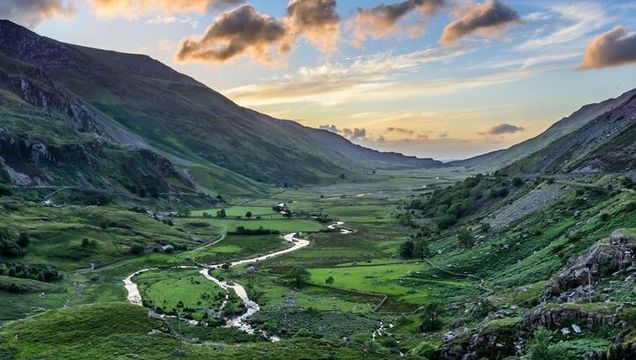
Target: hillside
[565,126]
[603,145]
[132,102]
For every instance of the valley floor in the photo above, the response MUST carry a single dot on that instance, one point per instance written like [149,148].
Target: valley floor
[327,292]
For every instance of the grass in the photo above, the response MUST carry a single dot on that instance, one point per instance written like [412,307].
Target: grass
[118,330]
[382,279]
[179,291]
[282,225]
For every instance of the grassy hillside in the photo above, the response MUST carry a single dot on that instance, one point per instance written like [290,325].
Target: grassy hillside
[104,101]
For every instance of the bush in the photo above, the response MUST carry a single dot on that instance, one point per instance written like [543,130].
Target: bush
[298,276]
[540,348]
[465,239]
[9,244]
[137,249]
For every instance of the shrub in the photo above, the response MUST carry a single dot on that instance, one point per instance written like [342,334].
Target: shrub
[298,276]
[137,249]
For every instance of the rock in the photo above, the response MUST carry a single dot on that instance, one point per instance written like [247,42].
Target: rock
[551,318]
[576,328]
[583,271]
[449,336]
[565,331]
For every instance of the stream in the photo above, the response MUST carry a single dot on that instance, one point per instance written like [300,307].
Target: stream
[239,322]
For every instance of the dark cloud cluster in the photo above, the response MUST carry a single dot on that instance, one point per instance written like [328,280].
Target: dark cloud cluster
[234,33]
[613,48]
[244,30]
[490,18]
[355,134]
[31,12]
[502,129]
[382,20]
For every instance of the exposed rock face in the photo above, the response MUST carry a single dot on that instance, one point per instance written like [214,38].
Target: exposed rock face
[583,272]
[486,343]
[557,317]
[535,200]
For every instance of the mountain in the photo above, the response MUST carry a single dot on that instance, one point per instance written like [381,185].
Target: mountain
[89,117]
[563,127]
[606,144]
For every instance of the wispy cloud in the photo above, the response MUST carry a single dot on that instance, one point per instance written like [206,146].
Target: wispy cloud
[171,19]
[573,21]
[334,83]
[337,88]
[133,9]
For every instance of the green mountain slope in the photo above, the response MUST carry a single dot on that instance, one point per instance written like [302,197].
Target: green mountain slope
[207,137]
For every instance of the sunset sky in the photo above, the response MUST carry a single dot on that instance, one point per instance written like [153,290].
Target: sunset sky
[435,78]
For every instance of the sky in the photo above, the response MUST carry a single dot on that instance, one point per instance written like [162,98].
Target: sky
[447,79]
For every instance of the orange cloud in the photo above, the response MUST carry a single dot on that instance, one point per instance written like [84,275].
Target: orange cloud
[135,8]
[382,21]
[317,20]
[235,33]
[613,48]
[490,19]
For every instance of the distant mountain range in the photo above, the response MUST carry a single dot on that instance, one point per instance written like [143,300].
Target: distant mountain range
[72,115]
[596,138]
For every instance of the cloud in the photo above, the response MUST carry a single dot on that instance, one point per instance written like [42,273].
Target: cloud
[398,130]
[355,134]
[362,79]
[135,8]
[382,21]
[502,129]
[572,22]
[330,128]
[613,48]
[489,19]
[235,33]
[171,19]
[317,20]
[30,13]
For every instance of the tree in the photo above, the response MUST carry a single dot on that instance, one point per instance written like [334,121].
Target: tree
[430,317]
[465,239]
[329,280]
[137,249]
[298,276]
[407,249]
[248,214]
[421,249]
[221,213]
[23,240]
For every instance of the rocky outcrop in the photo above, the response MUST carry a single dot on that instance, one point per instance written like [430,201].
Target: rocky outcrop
[490,341]
[553,318]
[582,272]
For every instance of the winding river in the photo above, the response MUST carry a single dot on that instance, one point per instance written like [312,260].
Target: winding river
[240,322]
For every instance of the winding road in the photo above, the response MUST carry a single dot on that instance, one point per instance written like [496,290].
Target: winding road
[134,297]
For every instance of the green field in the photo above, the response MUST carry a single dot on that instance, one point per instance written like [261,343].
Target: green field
[180,291]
